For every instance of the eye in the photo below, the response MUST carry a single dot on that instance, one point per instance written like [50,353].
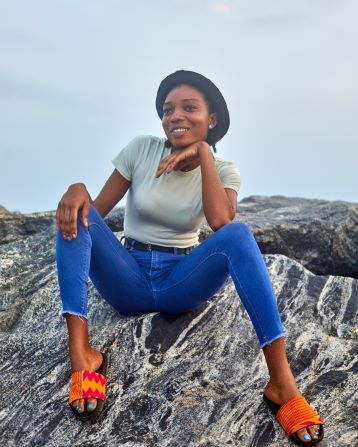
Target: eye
[190,107]
[166,111]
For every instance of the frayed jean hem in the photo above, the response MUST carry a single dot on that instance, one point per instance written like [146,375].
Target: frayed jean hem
[73,313]
[266,343]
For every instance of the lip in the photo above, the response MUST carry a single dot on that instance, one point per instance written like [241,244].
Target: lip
[179,127]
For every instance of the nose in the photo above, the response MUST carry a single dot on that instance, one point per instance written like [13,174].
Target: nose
[176,115]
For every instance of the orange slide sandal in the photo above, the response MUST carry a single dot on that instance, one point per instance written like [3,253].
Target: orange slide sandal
[89,384]
[295,414]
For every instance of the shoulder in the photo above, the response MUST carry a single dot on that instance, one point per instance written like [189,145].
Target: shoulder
[148,139]
[142,143]
[225,164]
[229,173]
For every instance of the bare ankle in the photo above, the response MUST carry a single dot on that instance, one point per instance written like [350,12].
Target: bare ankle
[281,393]
[85,359]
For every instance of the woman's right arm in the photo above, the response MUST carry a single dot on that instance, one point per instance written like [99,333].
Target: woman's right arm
[77,198]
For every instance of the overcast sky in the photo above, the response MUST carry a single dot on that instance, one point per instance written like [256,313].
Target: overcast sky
[78,80]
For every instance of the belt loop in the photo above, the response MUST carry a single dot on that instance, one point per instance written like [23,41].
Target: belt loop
[175,250]
[149,246]
[132,244]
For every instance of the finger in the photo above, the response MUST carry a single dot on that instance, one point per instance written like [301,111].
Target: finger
[73,221]
[58,225]
[164,162]
[61,217]
[180,165]
[85,210]
[173,161]
[170,167]
[162,167]
[168,163]
[66,221]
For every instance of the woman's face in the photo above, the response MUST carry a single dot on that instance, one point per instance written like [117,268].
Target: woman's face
[186,117]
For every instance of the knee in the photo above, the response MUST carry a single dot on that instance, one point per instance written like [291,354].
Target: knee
[234,230]
[234,233]
[92,212]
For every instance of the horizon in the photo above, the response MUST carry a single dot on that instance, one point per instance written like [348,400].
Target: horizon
[78,81]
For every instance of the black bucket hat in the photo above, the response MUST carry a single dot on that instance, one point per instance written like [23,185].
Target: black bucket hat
[211,92]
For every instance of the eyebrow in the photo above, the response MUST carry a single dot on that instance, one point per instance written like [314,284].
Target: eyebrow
[185,99]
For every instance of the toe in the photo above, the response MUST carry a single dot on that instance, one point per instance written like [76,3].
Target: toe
[304,435]
[78,405]
[91,404]
[313,430]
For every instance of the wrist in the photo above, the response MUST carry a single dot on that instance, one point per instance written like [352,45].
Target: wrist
[203,146]
[77,185]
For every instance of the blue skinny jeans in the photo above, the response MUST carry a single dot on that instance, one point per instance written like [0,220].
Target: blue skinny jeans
[137,282]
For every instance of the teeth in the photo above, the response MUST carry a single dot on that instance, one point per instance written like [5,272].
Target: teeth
[180,130]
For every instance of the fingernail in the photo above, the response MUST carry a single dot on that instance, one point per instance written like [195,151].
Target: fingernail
[306,437]
[73,235]
[90,406]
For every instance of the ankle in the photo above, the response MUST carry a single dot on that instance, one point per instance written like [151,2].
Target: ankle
[80,353]
[281,391]
[79,349]
[89,359]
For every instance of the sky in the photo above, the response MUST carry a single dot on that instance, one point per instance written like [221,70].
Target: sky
[78,80]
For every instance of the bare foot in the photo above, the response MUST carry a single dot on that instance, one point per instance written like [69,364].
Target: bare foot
[281,394]
[91,360]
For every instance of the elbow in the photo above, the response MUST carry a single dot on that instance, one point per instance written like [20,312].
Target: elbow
[215,225]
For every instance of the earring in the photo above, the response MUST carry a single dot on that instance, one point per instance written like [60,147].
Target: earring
[210,126]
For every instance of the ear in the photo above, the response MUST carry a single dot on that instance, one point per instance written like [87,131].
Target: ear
[213,120]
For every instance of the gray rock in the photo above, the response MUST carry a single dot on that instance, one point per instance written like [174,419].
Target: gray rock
[321,235]
[14,226]
[191,380]
[3,210]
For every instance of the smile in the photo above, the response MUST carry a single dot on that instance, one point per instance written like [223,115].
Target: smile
[180,130]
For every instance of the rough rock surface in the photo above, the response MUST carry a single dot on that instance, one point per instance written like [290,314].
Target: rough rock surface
[321,235]
[16,225]
[3,210]
[191,380]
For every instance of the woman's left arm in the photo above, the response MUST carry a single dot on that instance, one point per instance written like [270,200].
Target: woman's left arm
[219,204]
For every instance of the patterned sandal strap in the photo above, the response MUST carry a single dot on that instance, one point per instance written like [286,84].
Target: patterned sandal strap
[297,413]
[86,384]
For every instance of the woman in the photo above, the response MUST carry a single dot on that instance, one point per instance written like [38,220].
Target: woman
[173,185]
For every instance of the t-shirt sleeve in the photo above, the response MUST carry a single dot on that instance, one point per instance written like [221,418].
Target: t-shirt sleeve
[229,175]
[125,161]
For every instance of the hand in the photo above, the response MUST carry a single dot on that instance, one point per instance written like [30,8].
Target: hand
[76,198]
[180,158]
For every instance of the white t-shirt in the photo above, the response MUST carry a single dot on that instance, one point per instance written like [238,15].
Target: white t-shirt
[167,210]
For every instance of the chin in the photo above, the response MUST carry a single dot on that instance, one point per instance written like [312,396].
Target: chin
[184,143]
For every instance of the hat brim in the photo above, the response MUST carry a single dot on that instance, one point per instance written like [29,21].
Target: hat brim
[205,85]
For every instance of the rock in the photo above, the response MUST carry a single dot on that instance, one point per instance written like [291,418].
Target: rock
[189,380]
[14,226]
[321,235]
[3,210]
